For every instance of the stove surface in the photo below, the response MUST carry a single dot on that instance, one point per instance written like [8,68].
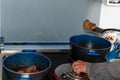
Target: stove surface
[57,59]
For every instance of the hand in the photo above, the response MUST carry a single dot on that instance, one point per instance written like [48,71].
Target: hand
[79,66]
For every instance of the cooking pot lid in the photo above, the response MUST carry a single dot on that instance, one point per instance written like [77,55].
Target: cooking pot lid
[65,69]
[61,69]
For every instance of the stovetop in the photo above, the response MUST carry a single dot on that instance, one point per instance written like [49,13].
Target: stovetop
[57,59]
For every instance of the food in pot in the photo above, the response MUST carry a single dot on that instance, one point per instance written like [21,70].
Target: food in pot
[26,69]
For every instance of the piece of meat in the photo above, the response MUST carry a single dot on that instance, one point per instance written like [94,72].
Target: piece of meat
[29,69]
[89,25]
[21,71]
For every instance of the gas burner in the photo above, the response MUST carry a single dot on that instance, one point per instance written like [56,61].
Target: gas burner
[64,72]
[69,76]
[74,76]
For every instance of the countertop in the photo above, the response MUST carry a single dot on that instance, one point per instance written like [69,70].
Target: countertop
[41,47]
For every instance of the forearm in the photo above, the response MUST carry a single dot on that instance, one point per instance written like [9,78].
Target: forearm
[104,71]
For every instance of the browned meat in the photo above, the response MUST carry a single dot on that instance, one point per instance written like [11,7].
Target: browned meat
[29,69]
[89,25]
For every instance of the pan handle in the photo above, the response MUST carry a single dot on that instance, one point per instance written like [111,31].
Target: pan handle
[91,53]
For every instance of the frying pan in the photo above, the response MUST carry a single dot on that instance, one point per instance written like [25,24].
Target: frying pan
[87,25]
[111,34]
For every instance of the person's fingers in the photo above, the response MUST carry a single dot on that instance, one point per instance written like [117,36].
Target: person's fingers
[77,69]
[76,63]
[79,61]
[79,66]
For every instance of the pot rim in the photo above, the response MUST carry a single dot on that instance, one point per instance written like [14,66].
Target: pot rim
[27,73]
[91,48]
[109,43]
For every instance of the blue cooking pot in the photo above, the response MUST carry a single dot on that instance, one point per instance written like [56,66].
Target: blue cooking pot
[28,59]
[89,48]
